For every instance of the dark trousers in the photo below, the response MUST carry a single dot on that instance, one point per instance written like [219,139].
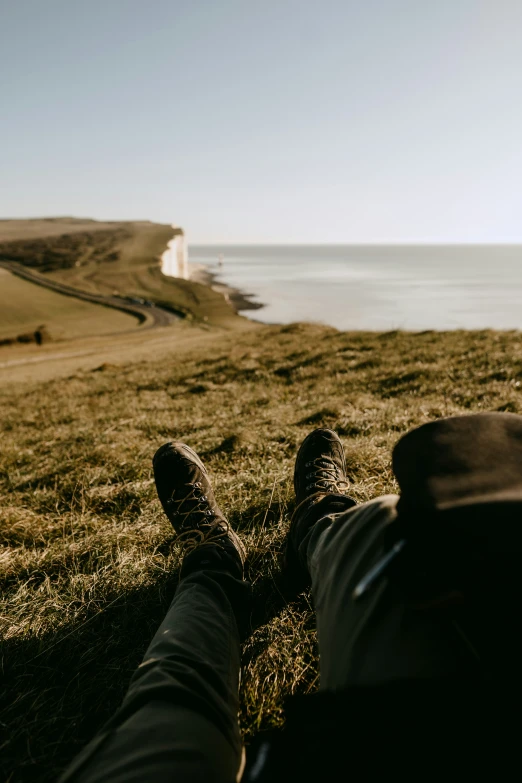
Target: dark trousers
[178,721]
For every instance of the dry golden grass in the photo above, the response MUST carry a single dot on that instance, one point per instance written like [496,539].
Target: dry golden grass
[89,563]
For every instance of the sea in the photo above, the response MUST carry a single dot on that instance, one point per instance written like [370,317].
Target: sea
[375,287]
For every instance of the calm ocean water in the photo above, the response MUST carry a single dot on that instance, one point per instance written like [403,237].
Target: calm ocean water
[376,287]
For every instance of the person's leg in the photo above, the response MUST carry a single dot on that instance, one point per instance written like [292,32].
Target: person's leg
[379,638]
[178,721]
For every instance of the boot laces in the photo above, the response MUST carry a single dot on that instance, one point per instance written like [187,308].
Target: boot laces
[197,521]
[326,477]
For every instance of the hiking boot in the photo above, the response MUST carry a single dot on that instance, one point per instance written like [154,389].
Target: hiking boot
[320,470]
[185,492]
[320,466]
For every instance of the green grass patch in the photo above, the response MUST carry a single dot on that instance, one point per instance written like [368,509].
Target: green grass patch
[26,307]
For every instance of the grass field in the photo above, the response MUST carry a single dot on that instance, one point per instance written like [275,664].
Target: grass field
[25,307]
[110,258]
[89,563]
[16,230]
[137,272]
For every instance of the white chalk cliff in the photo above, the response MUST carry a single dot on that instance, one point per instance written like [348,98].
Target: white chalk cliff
[174,261]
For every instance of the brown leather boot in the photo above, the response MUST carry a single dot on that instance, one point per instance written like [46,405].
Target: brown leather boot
[320,470]
[185,492]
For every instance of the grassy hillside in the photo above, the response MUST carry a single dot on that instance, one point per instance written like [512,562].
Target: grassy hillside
[89,563]
[109,258]
[136,272]
[26,306]
[23,229]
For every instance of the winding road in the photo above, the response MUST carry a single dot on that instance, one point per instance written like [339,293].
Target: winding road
[151,316]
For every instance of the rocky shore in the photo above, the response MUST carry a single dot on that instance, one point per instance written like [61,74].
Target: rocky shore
[239,300]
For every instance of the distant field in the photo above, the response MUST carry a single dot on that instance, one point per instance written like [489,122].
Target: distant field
[137,272]
[108,258]
[15,230]
[25,306]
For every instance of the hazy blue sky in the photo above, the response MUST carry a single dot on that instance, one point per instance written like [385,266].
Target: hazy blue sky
[267,120]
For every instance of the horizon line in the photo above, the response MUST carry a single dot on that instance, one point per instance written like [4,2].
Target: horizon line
[454,243]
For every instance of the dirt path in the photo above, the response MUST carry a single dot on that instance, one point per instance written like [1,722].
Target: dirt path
[31,363]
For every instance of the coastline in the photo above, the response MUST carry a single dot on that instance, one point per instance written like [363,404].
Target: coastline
[374,288]
[239,300]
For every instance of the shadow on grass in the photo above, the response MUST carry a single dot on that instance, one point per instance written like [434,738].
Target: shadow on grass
[60,689]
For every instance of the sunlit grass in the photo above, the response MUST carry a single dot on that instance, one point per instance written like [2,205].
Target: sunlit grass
[88,562]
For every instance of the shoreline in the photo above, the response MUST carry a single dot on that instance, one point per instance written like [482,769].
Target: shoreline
[239,300]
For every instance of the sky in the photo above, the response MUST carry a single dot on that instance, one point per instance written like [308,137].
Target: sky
[267,121]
